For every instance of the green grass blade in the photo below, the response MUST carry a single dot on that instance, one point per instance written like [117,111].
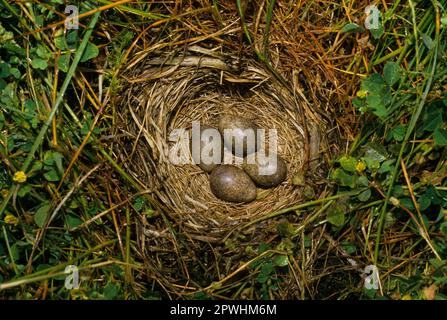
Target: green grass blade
[55,107]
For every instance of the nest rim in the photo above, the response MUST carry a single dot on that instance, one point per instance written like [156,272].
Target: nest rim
[166,92]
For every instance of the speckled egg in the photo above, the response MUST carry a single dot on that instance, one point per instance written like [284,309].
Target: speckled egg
[232,184]
[266,174]
[209,163]
[240,132]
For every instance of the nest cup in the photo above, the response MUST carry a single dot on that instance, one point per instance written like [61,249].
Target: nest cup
[165,93]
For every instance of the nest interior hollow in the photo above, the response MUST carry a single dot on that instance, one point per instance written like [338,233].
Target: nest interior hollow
[167,93]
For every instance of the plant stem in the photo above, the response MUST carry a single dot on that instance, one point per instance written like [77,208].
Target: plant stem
[55,108]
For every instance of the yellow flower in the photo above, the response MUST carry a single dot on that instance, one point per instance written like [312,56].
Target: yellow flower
[26,125]
[395,202]
[407,297]
[19,177]
[5,193]
[362,93]
[360,166]
[10,219]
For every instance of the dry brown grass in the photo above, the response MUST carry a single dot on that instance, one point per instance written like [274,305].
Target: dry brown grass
[200,69]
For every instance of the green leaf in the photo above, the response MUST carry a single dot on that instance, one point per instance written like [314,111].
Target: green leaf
[5,70]
[425,221]
[58,161]
[373,158]
[139,203]
[362,181]
[30,106]
[51,158]
[342,178]
[375,103]
[12,47]
[377,33]
[391,73]
[307,242]
[262,278]
[429,43]
[110,291]
[365,195]
[348,163]
[16,73]
[59,40]
[358,103]
[371,294]
[352,27]
[14,60]
[267,268]
[424,202]
[265,273]
[5,35]
[389,220]
[407,203]
[444,20]
[281,260]
[72,39]
[386,166]
[48,158]
[52,176]
[433,195]
[372,84]
[90,52]
[432,119]
[38,19]
[63,62]
[432,116]
[379,96]
[398,132]
[349,247]
[37,166]
[398,191]
[336,216]
[440,137]
[42,214]
[42,52]
[15,251]
[285,229]
[38,63]
[72,221]
[24,190]
[264,247]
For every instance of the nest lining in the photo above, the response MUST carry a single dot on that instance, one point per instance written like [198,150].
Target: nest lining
[164,94]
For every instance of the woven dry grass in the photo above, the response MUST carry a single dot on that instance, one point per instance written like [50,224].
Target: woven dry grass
[190,242]
[168,93]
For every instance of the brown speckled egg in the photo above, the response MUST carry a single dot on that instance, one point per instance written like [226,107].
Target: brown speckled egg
[232,184]
[266,174]
[242,130]
[206,165]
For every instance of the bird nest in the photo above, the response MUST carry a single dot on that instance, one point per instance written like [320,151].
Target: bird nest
[168,92]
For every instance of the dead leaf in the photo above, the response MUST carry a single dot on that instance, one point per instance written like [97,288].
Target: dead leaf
[430,292]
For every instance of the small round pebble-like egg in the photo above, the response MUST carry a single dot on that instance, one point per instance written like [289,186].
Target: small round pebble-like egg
[266,173]
[208,145]
[239,134]
[232,184]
